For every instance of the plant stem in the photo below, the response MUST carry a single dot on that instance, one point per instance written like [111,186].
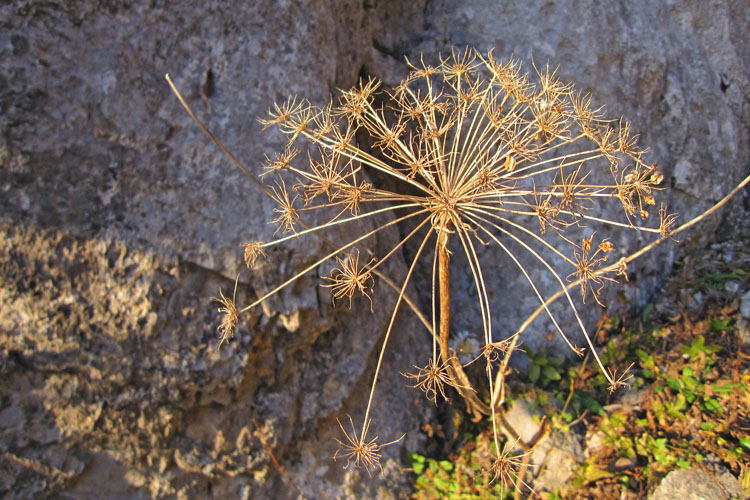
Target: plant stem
[461,381]
[444,280]
[462,384]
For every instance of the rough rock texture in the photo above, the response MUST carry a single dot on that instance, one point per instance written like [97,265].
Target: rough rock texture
[554,458]
[694,484]
[120,221]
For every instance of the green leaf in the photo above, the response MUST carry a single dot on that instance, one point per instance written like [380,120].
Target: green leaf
[551,373]
[708,426]
[690,395]
[647,360]
[662,457]
[454,488]
[440,483]
[712,405]
[417,463]
[719,325]
[611,352]
[698,346]
[557,362]
[745,442]
[647,312]
[680,403]
[592,405]
[722,389]
[688,379]
[534,372]
[424,482]
[673,384]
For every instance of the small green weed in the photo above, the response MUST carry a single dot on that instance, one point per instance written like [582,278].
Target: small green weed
[692,403]
[466,475]
[544,369]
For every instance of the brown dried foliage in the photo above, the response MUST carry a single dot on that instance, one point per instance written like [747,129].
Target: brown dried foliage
[479,154]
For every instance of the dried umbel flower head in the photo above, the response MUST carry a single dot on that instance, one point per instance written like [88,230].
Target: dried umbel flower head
[477,153]
[349,277]
[253,250]
[433,379]
[357,448]
[505,470]
[229,314]
[587,265]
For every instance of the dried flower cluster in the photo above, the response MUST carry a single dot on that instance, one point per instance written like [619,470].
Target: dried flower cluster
[481,154]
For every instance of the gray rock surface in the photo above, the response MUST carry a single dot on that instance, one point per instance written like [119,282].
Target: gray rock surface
[120,220]
[554,458]
[695,484]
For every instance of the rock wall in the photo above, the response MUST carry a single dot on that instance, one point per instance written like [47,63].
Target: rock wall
[120,221]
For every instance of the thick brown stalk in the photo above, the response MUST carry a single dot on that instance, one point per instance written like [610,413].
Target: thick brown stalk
[444,281]
[461,381]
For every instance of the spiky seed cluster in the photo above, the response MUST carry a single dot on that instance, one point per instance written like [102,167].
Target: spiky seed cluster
[479,153]
[492,351]
[229,314]
[505,469]
[349,278]
[622,380]
[356,448]
[253,250]
[587,265]
[432,379]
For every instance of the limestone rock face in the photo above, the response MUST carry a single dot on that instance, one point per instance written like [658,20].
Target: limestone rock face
[694,484]
[120,220]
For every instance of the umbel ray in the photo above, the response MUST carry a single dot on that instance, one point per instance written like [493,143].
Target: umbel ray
[479,154]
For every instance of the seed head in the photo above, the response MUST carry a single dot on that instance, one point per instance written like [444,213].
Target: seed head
[229,314]
[432,379]
[349,278]
[364,453]
[504,469]
[587,265]
[253,250]
[463,153]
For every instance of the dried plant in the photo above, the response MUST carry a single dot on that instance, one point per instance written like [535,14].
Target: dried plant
[433,378]
[364,453]
[229,314]
[478,153]
[505,469]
